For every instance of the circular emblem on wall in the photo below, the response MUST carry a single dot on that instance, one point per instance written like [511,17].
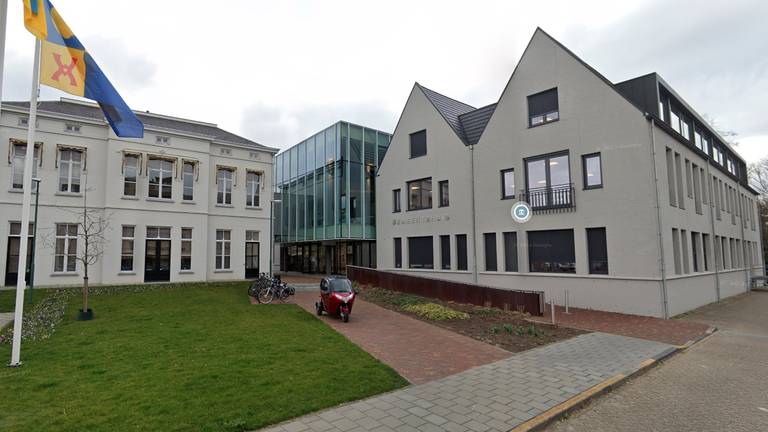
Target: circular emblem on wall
[521,212]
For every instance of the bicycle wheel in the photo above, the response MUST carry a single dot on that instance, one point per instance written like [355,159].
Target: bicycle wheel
[266,295]
[253,290]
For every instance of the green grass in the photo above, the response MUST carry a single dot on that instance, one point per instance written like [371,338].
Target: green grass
[190,358]
[8,299]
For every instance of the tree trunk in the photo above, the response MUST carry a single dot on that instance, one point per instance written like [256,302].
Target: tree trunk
[85,294]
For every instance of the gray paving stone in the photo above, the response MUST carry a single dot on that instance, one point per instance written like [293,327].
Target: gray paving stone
[497,396]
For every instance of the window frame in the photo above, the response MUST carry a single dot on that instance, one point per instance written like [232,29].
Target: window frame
[18,162]
[443,197]
[223,251]
[398,252]
[396,200]
[70,163]
[67,239]
[591,253]
[545,115]
[511,260]
[532,244]
[131,239]
[185,264]
[445,252]
[411,141]
[188,176]
[252,188]
[421,189]
[430,265]
[224,186]
[131,180]
[503,174]
[491,260]
[462,261]
[584,174]
[165,167]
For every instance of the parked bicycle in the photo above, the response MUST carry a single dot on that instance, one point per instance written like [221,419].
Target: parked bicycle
[266,288]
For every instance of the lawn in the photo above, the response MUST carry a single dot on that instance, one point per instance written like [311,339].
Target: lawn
[185,358]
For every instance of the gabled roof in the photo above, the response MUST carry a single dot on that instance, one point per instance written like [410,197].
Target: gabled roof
[467,121]
[171,124]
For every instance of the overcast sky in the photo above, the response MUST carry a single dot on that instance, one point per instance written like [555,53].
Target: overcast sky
[278,71]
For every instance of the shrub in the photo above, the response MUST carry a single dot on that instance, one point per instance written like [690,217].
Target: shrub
[494,329]
[435,312]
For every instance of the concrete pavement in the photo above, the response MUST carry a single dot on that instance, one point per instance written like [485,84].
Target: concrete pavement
[718,384]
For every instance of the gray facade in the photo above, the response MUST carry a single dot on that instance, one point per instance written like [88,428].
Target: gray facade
[595,161]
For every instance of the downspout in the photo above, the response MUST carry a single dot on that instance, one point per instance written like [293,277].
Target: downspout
[662,261]
[712,224]
[472,203]
[747,270]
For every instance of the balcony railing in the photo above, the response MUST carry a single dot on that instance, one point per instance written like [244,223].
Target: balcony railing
[550,199]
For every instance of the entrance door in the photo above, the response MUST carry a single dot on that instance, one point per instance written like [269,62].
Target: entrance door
[251,260]
[157,261]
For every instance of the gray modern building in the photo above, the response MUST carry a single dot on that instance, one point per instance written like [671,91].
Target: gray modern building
[638,205]
[327,215]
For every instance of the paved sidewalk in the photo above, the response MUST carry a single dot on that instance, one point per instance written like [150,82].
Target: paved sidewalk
[5,318]
[493,397]
[671,331]
[418,351]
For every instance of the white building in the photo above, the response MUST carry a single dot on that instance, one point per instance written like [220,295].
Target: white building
[188,202]
[639,206]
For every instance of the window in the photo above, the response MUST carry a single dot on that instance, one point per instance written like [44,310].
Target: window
[65,254]
[72,128]
[508,183]
[696,253]
[461,252]
[17,161]
[597,251]
[551,251]
[126,248]
[223,249]
[396,201]
[671,178]
[489,240]
[676,250]
[130,174]
[443,192]
[510,251]
[726,256]
[445,252]
[684,249]
[252,186]
[420,194]
[420,253]
[543,108]
[188,181]
[707,251]
[161,139]
[663,109]
[548,181]
[186,249]
[696,189]
[674,119]
[593,171]
[679,172]
[224,184]
[419,144]
[398,252]
[160,178]
[70,165]
[689,178]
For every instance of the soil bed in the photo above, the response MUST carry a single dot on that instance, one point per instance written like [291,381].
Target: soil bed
[509,330]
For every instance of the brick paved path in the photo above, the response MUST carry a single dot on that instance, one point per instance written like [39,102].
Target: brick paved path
[418,351]
[493,397]
[671,331]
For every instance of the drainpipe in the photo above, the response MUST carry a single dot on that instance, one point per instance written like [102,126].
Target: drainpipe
[712,227]
[662,266]
[472,202]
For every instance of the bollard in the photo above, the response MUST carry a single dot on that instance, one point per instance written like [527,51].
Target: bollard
[552,308]
[567,303]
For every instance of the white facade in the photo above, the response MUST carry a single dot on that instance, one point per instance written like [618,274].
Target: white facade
[104,169]
[631,205]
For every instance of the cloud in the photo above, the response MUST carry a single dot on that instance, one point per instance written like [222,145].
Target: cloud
[282,127]
[124,68]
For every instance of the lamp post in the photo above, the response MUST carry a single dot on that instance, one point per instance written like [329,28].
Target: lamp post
[36,189]
[272,231]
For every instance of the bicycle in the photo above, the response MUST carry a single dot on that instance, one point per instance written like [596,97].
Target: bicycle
[267,289]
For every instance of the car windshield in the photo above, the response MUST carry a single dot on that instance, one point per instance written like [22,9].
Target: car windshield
[340,285]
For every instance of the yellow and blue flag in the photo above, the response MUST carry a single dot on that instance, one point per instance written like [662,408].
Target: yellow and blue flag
[67,66]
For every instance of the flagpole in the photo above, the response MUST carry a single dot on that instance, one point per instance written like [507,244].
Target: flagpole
[3,26]
[25,209]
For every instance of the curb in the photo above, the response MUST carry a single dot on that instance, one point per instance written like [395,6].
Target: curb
[559,411]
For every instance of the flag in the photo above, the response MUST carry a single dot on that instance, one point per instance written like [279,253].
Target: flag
[67,66]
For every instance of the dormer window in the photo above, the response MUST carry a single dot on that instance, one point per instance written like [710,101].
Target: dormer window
[162,139]
[543,108]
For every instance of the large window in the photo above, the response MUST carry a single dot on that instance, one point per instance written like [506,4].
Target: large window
[543,108]
[420,194]
[186,249]
[223,249]
[17,160]
[224,178]
[419,144]
[445,252]
[508,183]
[398,252]
[597,251]
[461,252]
[592,170]
[188,180]
[510,251]
[444,194]
[420,252]
[65,254]
[252,187]
[130,175]
[396,201]
[548,180]
[551,251]
[489,241]
[160,178]
[126,248]
[70,167]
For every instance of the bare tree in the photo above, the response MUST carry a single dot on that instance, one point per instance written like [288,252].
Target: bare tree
[729,135]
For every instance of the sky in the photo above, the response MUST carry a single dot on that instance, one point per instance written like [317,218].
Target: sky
[278,71]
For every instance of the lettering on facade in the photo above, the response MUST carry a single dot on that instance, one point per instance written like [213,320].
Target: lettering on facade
[420,220]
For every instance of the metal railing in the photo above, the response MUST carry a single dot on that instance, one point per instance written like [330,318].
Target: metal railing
[550,198]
